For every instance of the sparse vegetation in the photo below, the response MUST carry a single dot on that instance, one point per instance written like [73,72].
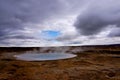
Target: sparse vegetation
[94,63]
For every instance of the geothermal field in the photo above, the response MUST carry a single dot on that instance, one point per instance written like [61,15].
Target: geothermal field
[60,63]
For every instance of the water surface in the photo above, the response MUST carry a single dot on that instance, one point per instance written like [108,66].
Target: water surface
[43,56]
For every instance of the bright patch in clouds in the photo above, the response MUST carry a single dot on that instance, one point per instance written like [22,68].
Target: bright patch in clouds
[50,34]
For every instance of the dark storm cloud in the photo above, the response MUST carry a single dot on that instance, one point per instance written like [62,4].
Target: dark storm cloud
[15,14]
[16,37]
[97,16]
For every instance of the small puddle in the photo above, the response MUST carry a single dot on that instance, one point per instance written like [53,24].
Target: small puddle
[43,56]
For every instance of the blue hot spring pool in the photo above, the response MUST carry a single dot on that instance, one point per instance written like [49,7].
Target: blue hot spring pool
[43,56]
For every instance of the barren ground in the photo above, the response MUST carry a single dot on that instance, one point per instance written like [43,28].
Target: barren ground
[97,63]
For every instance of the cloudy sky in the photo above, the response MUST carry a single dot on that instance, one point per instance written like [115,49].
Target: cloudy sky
[59,22]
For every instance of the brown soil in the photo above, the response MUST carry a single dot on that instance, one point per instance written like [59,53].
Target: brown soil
[95,64]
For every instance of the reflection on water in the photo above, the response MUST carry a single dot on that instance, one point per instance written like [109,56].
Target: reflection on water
[43,56]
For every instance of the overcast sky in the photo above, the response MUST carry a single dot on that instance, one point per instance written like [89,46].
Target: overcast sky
[59,22]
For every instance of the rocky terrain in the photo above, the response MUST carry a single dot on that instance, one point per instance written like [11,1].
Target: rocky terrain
[91,63]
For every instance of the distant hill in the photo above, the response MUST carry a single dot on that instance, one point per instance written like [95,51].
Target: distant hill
[57,48]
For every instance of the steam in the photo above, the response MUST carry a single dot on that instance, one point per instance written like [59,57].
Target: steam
[63,49]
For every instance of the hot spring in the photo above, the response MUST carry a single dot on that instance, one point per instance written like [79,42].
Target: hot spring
[43,56]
